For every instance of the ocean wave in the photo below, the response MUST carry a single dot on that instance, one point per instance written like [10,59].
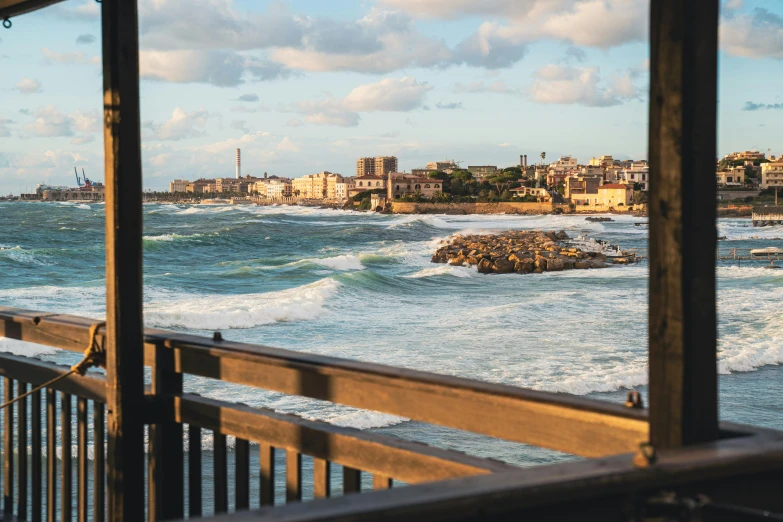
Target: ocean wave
[20,255]
[22,348]
[169,237]
[221,312]
[456,271]
[343,262]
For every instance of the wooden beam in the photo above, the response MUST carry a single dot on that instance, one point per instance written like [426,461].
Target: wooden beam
[683,236]
[557,421]
[597,489]
[408,461]
[36,372]
[124,337]
[9,8]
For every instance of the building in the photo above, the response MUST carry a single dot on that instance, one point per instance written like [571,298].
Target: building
[482,171]
[178,185]
[541,194]
[447,166]
[748,155]
[615,195]
[400,184]
[732,176]
[637,173]
[377,166]
[343,188]
[91,192]
[317,186]
[363,183]
[564,163]
[278,189]
[422,173]
[199,186]
[772,174]
[601,161]
[579,185]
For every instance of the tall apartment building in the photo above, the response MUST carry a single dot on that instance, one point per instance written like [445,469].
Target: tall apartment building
[377,166]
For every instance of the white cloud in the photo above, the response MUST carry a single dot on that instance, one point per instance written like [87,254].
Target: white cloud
[601,23]
[389,94]
[450,9]
[5,130]
[756,35]
[72,58]
[286,145]
[28,86]
[578,85]
[50,123]
[498,86]
[182,125]
[220,68]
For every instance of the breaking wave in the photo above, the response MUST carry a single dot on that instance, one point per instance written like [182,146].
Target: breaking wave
[220,312]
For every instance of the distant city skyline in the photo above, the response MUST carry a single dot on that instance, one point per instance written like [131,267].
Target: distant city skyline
[304,86]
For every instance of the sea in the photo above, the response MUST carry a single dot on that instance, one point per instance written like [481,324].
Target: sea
[361,286]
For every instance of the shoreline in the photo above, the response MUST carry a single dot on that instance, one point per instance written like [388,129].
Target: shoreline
[736,212]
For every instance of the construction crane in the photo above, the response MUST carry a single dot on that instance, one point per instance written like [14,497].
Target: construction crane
[84,181]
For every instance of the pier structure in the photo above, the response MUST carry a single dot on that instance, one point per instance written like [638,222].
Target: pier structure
[767,216]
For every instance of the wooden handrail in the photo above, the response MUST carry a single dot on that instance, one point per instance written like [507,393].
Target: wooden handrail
[561,422]
[410,462]
[595,489]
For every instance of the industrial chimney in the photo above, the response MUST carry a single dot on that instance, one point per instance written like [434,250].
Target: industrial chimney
[239,165]
[525,161]
[521,160]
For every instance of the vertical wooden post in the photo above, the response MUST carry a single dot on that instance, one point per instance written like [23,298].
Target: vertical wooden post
[124,360]
[166,471]
[683,236]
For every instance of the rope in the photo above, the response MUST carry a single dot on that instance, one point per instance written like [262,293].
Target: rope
[93,356]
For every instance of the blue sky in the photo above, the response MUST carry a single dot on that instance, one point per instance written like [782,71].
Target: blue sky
[303,85]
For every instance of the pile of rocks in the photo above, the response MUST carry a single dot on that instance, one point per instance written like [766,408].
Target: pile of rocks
[523,252]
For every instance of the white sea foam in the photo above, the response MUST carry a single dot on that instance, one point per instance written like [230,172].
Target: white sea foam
[20,255]
[22,348]
[219,312]
[343,262]
[169,237]
[456,271]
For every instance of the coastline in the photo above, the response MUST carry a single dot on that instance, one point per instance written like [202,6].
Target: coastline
[414,208]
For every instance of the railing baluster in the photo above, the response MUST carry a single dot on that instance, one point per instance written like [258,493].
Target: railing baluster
[99,461]
[381,481]
[66,494]
[293,476]
[8,447]
[21,437]
[322,478]
[221,472]
[267,474]
[194,471]
[242,476]
[51,455]
[35,464]
[81,473]
[352,480]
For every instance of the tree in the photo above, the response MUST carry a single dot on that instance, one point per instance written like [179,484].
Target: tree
[543,157]
[501,180]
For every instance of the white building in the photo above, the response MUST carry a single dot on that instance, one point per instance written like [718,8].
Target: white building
[278,189]
[638,173]
[772,174]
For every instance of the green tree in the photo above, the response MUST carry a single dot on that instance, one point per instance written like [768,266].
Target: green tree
[543,157]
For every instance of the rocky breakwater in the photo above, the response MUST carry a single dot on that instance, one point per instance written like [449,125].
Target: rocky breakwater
[521,252]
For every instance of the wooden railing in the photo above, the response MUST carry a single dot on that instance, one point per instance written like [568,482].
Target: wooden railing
[566,423]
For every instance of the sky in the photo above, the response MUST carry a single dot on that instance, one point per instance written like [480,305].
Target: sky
[303,86]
